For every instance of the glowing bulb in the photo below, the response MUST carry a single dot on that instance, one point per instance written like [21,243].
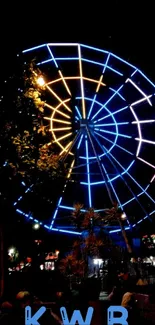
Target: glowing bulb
[36,226]
[11,251]
[123,216]
[41,81]
[98,261]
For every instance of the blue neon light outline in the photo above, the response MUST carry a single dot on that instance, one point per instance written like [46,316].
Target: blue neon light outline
[118,134]
[52,56]
[127,185]
[90,110]
[134,72]
[31,218]
[83,60]
[137,70]
[113,189]
[34,48]
[112,89]
[91,107]
[110,124]
[112,179]
[80,141]
[96,49]
[129,152]
[132,178]
[104,105]
[80,116]
[122,177]
[70,208]
[75,232]
[55,213]
[119,110]
[110,114]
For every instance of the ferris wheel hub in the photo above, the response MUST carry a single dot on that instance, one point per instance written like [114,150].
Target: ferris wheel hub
[86,123]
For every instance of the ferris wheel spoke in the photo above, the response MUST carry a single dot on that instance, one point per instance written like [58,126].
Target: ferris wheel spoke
[103,137]
[57,110]
[98,86]
[114,133]
[143,121]
[103,106]
[134,180]
[63,137]
[92,105]
[112,89]
[112,187]
[88,173]
[85,164]
[81,83]
[60,199]
[58,98]
[71,168]
[71,145]
[146,162]
[122,148]
[78,112]
[144,95]
[140,100]
[139,131]
[112,124]
[146,141]
[100,166]
[108,115]
[65,148]
[60,129]
[57,120]
[80,141]
[132,104]
[59,71]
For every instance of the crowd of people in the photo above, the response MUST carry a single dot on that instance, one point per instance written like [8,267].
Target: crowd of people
[124,292]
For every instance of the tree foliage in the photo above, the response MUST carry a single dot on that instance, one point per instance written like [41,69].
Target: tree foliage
[25,142]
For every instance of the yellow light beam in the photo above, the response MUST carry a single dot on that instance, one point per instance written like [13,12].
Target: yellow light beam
[65,84]
[71,167]
[81,81]
[99,84]
[56,110]
[56,120]
[62,147]
[63,137]
[65,148]
[56,96]
[60,129]
[76,78]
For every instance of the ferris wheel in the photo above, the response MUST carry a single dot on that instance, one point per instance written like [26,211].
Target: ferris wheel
[100,111]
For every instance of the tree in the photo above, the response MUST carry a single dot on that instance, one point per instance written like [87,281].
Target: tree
[26,151]
[90,244]
[115,214]
[25,142]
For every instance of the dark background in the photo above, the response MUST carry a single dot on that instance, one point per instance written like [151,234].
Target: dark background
[123,27]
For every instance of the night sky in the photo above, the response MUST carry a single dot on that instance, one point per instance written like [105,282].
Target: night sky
[122,29]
